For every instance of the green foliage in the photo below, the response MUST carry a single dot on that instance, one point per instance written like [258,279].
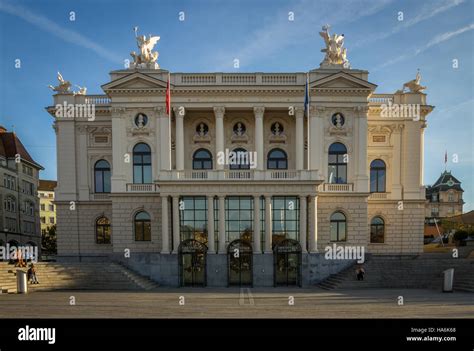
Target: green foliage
[48,241]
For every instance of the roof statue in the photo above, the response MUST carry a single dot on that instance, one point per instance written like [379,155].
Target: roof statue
[413,85]
[64,86]
[146,58]
[336,55]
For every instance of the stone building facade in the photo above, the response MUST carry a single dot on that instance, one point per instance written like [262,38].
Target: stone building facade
[154,190]
[19,210]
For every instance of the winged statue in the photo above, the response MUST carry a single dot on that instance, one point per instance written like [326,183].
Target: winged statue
[146,57]
[336,54]
[64,86]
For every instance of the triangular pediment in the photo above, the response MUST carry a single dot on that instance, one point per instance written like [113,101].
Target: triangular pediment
[342,80]
[136,80]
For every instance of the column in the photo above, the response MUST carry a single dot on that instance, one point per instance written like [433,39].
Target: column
[268,224]
[222,248]
[362,173]
[219,114]
[165,236]
[176,224]
[396,162]
[313,233]
[256,225]
[83,167]
[313,149]
[303,231]
[179,115]
[210,225]
[299,142]
[164,139]
[259,138]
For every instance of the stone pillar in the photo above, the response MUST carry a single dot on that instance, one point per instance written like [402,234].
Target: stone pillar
[313,233]
[164,139]
[165,247]
[268,224]
[256,225]
[176,224]
[179,115]
[210,225]
[83,168]
[259,138]
[119,167]
[303,231]
[222,248]
[299,142]
[313,148]
[396,163]
[360,153]
[219,114]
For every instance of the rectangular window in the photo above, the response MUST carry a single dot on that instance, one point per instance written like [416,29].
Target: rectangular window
[51,220]
[193,218]
[43,207]
[239,218]
[285,218]
[43,220]
[51,208]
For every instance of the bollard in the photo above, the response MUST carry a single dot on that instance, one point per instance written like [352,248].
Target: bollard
[21,282]
[448,280]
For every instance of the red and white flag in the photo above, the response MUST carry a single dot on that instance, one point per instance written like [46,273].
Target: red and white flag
[168,97]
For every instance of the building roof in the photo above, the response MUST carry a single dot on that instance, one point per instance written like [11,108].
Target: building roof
[47,185]
[465,218]
[10,146]
[445,182]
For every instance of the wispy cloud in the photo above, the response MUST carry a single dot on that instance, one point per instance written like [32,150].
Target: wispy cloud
[65,34]
[427,12]
[309,17]
[440,38]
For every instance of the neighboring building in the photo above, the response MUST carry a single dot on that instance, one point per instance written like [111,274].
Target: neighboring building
[19,174]
[47,207]
[354,178]
[443,199]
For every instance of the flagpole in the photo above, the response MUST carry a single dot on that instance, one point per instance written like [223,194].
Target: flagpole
[169,117]
[307,117]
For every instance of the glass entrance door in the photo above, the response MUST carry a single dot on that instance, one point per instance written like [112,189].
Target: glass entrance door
[240,256]
[192,260]
[287,264]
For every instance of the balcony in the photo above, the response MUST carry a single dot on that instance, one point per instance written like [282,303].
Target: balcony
[338,188]
[142,188]
[240,175]
[379,196]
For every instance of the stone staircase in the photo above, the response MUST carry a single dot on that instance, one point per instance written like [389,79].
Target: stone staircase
[420,272]
[77,276]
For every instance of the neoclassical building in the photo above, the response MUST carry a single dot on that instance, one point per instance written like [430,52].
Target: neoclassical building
[157,191]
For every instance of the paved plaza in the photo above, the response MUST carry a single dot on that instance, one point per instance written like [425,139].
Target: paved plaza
[239,303]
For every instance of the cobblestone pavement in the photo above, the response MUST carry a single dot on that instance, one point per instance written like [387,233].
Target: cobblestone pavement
[239,303]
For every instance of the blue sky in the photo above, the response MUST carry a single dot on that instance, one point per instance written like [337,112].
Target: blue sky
[258,33]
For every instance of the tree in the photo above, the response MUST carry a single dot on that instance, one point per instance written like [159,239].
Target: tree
[48,241]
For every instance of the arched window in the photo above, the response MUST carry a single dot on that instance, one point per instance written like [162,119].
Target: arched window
[377,176]
[29,208]
[102,176]
[277,159]
[9,204]
[202,159]
[377,230]
[142,226]
[102,230]
[338,227]
[240,159]
[141,164]
[337,166]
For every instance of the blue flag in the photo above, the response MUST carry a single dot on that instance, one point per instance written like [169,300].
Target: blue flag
[306,96]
